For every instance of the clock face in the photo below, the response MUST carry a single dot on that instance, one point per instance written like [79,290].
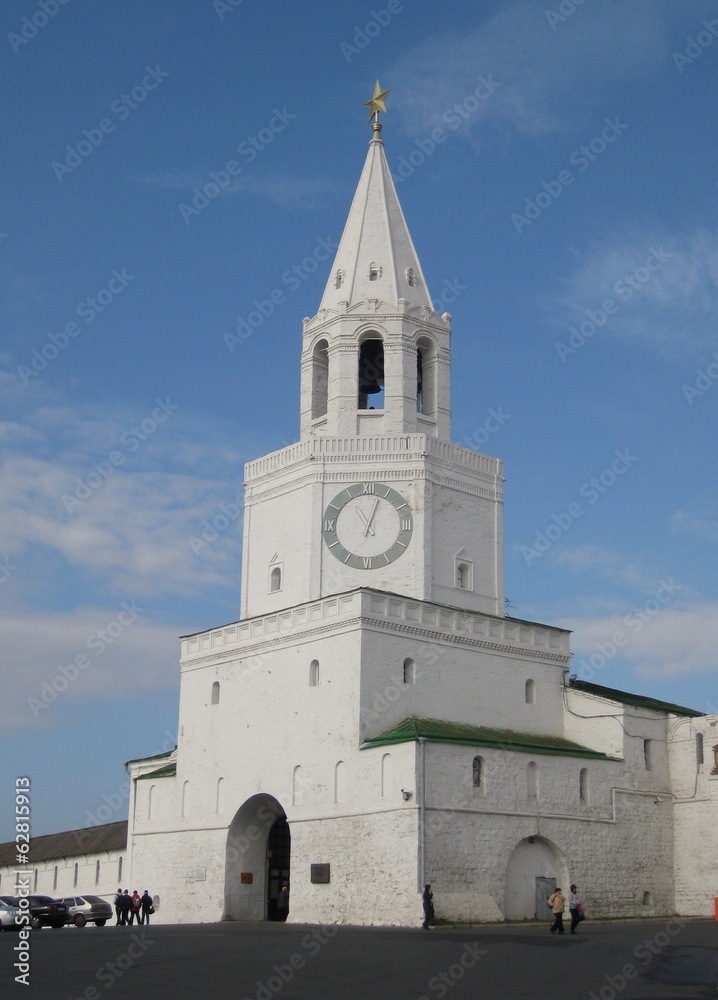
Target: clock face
[367,525]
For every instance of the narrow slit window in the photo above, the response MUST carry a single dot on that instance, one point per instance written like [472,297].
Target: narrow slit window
[583,786]
[478,772]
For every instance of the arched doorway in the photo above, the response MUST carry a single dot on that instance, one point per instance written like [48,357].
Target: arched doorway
[257,860]
[278,855]
[535,868]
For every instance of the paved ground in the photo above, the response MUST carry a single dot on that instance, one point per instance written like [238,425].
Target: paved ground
[648,959]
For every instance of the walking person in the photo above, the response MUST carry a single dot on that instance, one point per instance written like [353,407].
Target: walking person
[118,907]
[557,901]
[574,908]
[428,903]
[147,907]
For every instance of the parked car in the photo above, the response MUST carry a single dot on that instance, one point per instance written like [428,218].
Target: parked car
[47,912]
[84,909]
[8,913]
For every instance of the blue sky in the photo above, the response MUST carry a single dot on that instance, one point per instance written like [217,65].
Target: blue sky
[558,168]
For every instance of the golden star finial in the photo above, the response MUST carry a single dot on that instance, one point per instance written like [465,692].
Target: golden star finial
[376,104]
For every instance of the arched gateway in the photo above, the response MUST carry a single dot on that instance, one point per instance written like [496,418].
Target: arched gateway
[535,868]
[257,860]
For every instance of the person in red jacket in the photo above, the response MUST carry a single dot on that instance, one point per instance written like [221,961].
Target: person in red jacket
[135,907]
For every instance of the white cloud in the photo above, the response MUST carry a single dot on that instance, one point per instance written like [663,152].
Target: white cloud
[539,70]
[597,560]
[702,523]
[54,659]
[660,637]
[664,290]
[80,488]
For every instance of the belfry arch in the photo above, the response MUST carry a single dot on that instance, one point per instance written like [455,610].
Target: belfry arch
[256,859]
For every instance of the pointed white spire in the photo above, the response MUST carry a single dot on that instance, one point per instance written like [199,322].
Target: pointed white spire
[376,258]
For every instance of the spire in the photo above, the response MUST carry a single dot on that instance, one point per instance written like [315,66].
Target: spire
[376,258]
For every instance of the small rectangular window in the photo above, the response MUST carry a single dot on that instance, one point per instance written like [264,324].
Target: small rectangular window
[647,754]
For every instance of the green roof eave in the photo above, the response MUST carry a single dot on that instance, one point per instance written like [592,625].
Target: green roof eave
[161,772]
[637,700]
[156,756]
[437,731]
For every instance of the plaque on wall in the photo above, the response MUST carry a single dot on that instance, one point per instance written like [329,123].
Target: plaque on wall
[320,874]
[246,878]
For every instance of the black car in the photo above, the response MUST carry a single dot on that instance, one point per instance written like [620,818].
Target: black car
[47,912]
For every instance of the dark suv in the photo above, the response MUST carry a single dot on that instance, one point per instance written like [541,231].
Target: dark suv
[47,912]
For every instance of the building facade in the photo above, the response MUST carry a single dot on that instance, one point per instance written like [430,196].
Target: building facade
[374,720]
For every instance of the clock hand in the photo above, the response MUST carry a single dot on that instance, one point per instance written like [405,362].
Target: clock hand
[367,521]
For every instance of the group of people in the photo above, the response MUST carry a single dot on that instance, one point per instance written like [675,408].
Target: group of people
[129,908]
[557,902]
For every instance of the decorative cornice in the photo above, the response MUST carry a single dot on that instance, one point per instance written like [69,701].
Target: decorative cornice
[381,611]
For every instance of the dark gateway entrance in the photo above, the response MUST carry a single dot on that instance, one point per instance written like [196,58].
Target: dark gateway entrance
[278,853]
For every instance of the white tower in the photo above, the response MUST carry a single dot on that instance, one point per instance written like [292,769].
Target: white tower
[374,721]
[374,494]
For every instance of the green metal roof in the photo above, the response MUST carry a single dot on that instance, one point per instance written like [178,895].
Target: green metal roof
[156,756]
[437,731]
[161,772]
[633,699]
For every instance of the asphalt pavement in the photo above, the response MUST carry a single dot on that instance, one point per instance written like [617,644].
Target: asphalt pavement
[651,960]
